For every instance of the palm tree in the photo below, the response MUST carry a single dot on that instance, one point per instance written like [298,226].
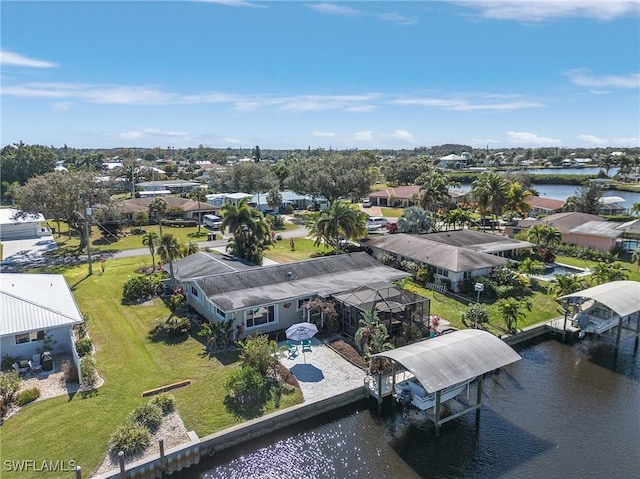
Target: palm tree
[251,233]
[435,191]
[635,209]
[416,220]
[190,248]
[372,336]
[274,199]
[635,257]
[199,195]
[489,190]
[341,219]
[511,311]
[516,198]
[606,162]
[608,272]
[159,207]
[544,236]
[150,239]
[561,285]
[170,249]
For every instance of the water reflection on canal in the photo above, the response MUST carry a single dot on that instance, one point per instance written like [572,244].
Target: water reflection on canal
[563,411]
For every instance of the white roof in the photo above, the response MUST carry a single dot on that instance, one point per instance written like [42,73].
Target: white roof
[611,200]
[7,217]
[236,196]
[31,302]
[623,297]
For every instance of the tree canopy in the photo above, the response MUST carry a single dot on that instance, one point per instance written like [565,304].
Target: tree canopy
[20,162]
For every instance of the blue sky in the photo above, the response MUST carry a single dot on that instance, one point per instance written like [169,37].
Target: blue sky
[285,74]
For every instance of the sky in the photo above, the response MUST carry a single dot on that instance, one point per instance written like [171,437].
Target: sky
[285,74]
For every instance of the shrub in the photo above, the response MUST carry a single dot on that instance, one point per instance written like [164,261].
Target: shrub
[27,396]
[130,439]
[70,371]
[248,386]
[140,287]
[166,402]
[84,346]
[177,326]
[9,385]
[147,415]
[88,371]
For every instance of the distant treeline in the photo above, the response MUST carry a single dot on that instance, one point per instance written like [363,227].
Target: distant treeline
[536,179]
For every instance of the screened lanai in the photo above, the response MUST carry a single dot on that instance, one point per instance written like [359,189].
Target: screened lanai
[394,305]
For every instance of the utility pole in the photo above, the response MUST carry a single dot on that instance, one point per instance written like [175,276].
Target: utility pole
[87,213]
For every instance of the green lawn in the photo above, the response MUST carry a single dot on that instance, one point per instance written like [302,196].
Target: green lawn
[281,250]
[392,212]
[632,270]
[130,360]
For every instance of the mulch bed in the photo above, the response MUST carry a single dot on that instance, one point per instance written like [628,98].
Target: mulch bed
[349,352]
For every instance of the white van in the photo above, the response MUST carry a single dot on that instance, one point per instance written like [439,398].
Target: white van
[212,222]
[376,222]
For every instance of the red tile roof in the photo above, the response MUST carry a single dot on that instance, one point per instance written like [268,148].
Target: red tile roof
[546,203]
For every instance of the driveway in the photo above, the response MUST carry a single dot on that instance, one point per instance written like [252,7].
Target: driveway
[26,250]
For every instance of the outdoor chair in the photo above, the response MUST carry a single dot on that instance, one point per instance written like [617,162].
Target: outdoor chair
[306,345]
[21,367]
[35,364]
[293,350]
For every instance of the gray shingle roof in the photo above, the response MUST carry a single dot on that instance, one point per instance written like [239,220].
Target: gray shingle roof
[598,228]
[477,240]
[322,276]
[206,264]
[440,255]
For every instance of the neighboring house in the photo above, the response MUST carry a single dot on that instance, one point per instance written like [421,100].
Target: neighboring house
[218,200]
[13,226]
[453,162]
[513,229]
[271,298]
[175,186]
[479,241]
[540,206]
[451,264]
[401,196]
[610,205]
[38,314]
[630,235]
[289,199]
[203,264]
[190,208]
[584,229]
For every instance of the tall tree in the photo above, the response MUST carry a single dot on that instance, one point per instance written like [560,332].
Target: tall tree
[158,207]
[170,249]
[20,162]
[544,236]
[251,233]
[435,191]
[489,190]
[516,199]
[274,199]
[63,196]
[199,195]
[342,219]
[416,220]
[585,200]
[151,240]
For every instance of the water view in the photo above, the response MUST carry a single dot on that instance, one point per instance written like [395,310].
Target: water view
[562,411]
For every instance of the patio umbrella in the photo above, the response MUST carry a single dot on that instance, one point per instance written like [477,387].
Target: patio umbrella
[300,332]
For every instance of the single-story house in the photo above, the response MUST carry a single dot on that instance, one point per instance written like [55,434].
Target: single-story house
[191,209]
[452,265]
[38,314]
[17,226]
[218,200]
[271,298]
[583,229]
[203,264]
[539,206]
[175,186]
[408,195]
[479,241]
[289,199]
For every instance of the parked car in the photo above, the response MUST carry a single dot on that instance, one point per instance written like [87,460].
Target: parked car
[375,223]
[366,203]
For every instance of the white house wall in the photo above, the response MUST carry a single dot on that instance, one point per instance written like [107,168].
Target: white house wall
[60,343]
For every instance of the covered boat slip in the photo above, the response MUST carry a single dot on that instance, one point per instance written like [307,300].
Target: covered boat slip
[442,363]
[609,305]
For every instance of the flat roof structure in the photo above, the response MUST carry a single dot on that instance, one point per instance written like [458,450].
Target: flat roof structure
[623,297]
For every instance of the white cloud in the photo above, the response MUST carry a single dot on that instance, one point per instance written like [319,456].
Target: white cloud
[397,18]
[333,9]
[592,139]
[403,136]
[531,139]
[61,105]
[540,10]
[15,59]
[145,133]
[581,78]
[464,105]
[363,135]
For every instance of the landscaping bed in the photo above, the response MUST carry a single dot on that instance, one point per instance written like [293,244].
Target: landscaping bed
[348,352]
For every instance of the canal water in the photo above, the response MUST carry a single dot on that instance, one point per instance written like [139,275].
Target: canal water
[563,411]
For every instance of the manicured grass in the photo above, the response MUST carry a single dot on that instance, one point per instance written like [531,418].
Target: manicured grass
[131,360]
[633,273]
[392,212]
[281,250]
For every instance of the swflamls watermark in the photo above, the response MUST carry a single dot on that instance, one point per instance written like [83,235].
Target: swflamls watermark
[33,465]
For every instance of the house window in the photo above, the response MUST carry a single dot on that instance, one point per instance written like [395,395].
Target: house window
[221,313]
[302,301]
[466,275]
[29,337]
[442,272]
[194,291]
[260,316]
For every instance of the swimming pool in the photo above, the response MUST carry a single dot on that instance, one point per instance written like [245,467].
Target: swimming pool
[562,269]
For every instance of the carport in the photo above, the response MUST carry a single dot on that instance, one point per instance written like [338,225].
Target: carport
[445,361]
